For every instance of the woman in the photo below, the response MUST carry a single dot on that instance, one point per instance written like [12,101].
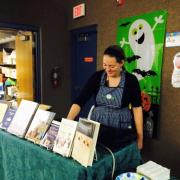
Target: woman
[117,102]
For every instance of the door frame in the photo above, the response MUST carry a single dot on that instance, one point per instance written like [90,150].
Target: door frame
[73,52]
[38,85]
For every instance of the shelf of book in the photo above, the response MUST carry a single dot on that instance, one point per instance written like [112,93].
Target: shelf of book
[21,159]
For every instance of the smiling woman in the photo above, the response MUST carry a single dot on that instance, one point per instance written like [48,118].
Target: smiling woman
[111,66]
[114,91]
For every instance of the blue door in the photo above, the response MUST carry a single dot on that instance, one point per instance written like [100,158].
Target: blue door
[84,53]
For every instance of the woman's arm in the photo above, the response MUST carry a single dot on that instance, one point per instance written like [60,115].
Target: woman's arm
[138,118]
[135,99]
[74,111]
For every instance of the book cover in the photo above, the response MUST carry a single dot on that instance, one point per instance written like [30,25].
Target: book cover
[85,141]
[4,105]
[8,118]
[22,118]
[39,125]
[50,136]
[153,170]
[64,140]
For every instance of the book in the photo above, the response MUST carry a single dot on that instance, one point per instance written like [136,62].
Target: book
[85,141]
[44,107]
[39,125]
[50,136]
[64,140]
[22,118]
[8,118]
[4,105]
[153,171]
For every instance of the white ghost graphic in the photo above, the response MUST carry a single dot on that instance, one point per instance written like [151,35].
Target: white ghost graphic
[141,40]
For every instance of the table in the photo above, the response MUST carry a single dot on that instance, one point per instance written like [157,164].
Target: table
[23,160]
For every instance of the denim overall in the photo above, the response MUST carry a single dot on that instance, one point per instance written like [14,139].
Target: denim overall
[108,110]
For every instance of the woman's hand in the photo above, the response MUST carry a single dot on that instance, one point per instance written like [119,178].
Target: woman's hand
[74,111]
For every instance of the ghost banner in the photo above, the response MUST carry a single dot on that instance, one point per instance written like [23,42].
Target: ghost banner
[142,38]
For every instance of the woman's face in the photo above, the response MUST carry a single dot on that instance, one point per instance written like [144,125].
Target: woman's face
[111,66]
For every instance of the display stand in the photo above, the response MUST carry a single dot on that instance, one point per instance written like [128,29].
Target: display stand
[21,159]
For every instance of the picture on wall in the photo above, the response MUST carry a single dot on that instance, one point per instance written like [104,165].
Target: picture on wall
[142,38]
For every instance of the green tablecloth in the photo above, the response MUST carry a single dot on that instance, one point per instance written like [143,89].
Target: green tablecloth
[23,160]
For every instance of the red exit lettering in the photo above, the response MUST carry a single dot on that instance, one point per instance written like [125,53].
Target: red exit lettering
[79,10]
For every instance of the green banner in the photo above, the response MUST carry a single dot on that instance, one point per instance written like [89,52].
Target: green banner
[142,38]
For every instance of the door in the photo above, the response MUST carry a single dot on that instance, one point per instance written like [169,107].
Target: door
[26,40]
[24,66]
[84,53]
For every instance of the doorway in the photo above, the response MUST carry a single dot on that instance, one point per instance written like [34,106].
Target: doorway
[20,70]
[83,61]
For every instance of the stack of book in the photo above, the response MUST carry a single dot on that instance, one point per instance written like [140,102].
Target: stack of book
[32,121]
[154,171]
[78,140]
[28,120]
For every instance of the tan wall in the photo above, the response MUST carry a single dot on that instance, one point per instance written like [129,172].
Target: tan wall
[166,149]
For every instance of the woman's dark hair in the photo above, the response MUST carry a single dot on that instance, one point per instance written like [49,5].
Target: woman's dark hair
[115,51]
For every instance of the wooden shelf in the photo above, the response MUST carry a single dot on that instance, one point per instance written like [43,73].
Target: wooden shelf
[8,65]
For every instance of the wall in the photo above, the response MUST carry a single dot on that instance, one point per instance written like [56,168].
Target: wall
[50,17]
[166,149]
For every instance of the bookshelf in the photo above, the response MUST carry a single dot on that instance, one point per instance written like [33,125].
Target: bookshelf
[16,69]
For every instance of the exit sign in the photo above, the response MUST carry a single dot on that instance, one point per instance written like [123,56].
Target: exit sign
[79,10]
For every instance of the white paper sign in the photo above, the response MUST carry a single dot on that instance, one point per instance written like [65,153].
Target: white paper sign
[173,39]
